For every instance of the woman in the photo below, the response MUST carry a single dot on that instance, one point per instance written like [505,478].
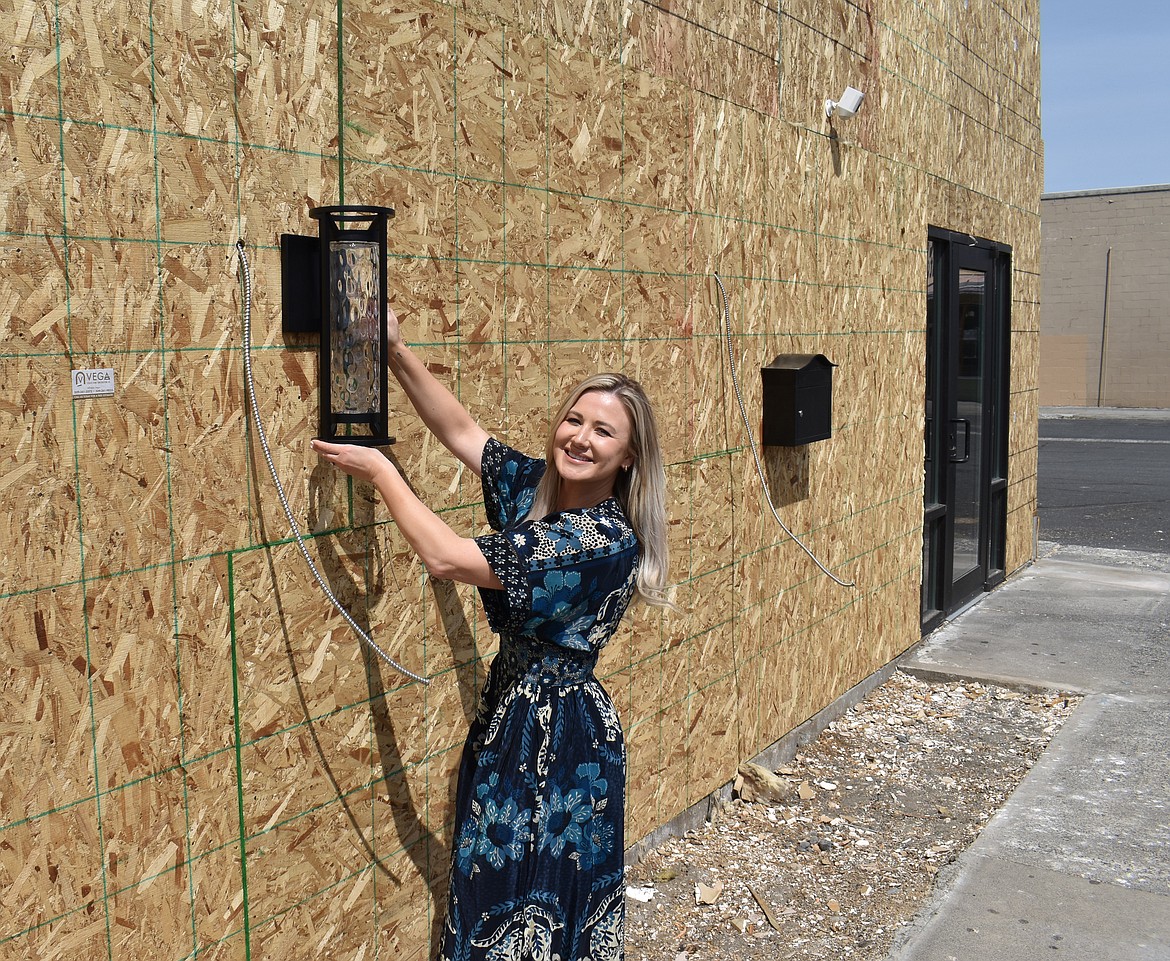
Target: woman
[537,867]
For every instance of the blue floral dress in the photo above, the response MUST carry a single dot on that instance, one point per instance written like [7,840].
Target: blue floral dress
[537,869]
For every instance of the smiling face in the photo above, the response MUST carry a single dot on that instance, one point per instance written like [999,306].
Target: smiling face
[590,446]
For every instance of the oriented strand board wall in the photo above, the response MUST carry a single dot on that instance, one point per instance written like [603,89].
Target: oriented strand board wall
[196,759]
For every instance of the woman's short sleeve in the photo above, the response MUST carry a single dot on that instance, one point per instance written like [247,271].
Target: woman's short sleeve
[509,481]
[506,610]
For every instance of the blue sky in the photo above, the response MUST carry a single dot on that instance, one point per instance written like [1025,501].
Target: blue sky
[1105,94]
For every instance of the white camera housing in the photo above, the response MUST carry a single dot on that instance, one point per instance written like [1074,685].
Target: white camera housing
[847,106]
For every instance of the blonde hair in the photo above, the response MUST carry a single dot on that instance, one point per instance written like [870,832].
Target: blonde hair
[641,490]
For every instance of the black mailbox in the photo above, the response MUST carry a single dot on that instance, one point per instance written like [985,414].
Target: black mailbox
[798,399]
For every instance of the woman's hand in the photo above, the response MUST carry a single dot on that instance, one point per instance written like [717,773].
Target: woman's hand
[393,333]
[364,463]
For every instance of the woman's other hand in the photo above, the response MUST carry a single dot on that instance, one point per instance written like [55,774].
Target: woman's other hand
[393,332]
[364,463]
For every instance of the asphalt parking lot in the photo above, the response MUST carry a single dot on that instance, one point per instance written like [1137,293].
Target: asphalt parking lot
[1104,478]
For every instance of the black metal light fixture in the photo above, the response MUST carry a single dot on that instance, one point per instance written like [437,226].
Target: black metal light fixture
[334,285]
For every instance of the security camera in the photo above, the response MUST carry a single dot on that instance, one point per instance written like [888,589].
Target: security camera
[847,106]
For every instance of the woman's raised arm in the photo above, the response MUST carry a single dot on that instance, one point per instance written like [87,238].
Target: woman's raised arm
[439,409]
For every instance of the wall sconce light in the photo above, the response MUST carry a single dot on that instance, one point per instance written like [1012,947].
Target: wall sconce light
[334,285]
[847,106]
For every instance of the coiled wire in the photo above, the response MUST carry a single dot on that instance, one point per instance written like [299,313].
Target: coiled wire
[251,388]
[752,441]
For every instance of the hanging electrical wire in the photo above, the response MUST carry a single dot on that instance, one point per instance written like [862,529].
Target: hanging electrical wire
[752,441]
[260,433]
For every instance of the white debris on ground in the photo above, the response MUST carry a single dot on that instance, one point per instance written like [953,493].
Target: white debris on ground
[828,855]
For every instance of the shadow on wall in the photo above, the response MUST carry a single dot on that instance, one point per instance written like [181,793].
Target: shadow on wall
[787,471]
[429,854]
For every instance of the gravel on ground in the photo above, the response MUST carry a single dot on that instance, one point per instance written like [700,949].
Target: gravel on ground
[830,854]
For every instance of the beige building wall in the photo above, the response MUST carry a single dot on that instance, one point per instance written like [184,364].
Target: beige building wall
[1105,315]
[196,756]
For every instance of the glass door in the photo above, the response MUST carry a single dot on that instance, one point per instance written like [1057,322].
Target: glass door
[965,485]
[964,434]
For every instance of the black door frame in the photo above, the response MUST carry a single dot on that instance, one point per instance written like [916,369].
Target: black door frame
[946,440]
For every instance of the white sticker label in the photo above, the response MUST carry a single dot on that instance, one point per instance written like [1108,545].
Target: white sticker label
[98,382]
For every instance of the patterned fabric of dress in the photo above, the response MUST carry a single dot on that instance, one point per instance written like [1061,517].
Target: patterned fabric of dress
[537,870]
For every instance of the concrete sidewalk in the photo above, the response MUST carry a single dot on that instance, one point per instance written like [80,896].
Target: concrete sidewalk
[1076,865]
